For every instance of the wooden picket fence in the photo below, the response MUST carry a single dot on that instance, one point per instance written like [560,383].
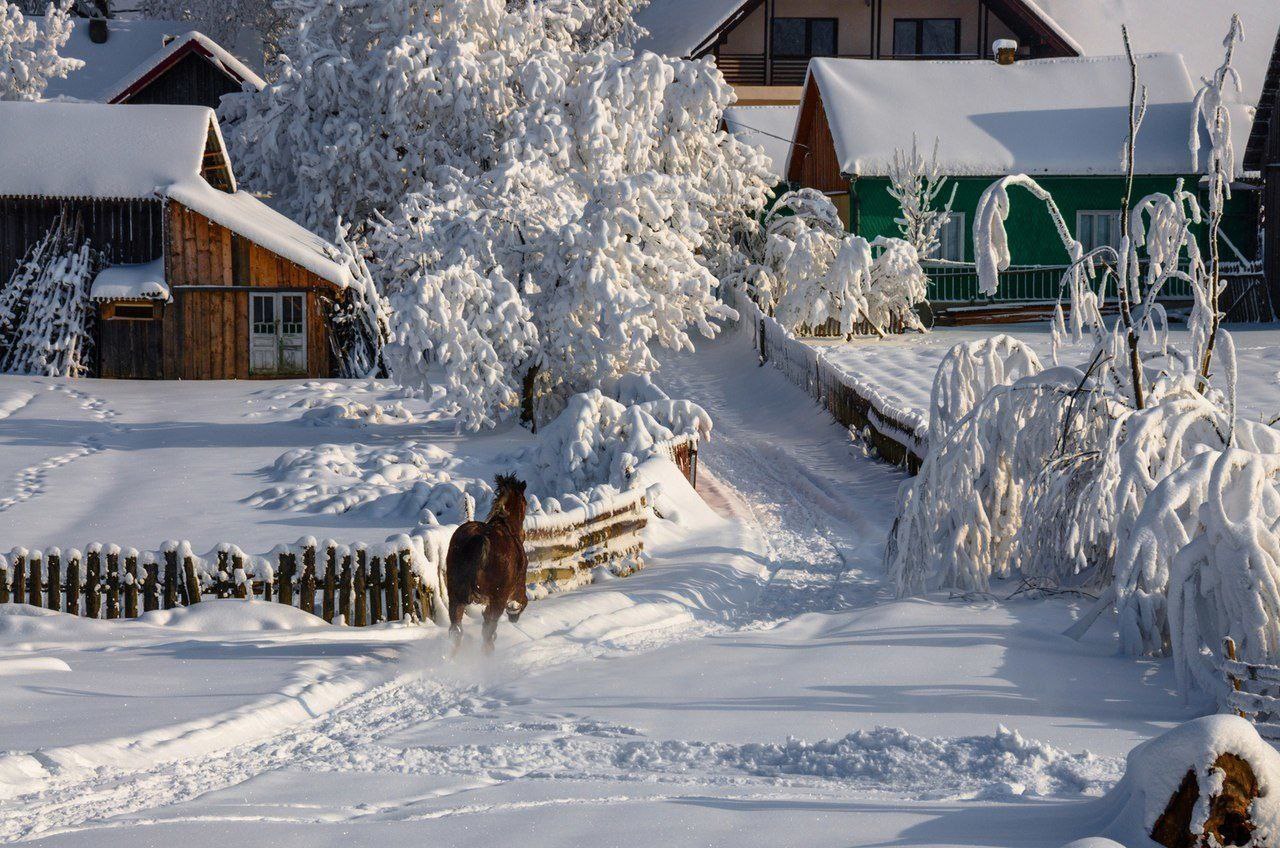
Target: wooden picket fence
[401,579]
[1254,692]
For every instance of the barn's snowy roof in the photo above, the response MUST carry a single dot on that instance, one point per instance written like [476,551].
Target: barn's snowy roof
[132,48]
[769,127]
[1046,116]
[92,150]
[678,27]
[131,282]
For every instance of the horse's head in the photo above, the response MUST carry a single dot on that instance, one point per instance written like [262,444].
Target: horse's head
[508,500]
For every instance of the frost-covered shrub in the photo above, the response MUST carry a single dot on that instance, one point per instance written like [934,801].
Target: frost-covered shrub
[29,50]
[599,441]
[968,372]
[809,271]
[916,183]
[360,319]
[45,314]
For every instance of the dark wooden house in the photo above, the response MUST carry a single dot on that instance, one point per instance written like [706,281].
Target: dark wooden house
[1262,156]
[203,280]
[150,62]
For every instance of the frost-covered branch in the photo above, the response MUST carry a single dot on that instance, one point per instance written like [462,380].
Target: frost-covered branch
[916,183]
[29,50]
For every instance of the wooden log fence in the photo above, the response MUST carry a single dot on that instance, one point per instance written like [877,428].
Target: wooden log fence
[896,434]
[357,585]
[1254,690]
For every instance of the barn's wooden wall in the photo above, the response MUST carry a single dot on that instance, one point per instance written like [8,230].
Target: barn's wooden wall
[816,165]
[192,81]
[206,330]
[127,231]
[129,349]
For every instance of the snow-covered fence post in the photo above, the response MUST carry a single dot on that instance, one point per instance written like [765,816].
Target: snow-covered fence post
[53,579]
[171,575]
[360,587]
[1229,651]
[307,586]
[33,578]
[192,581]
[150,582]
[330,579]
[92,582]
[73,586]
[19,575]
[375,589]
[131,584]
[113,582]
[391,573]
[4,580]
[408,582]
[345,586]
[288,565]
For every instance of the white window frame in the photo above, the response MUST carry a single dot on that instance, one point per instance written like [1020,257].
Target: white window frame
[953,218]
[1115,218]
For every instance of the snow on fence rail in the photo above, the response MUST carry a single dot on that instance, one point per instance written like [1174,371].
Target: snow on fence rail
[897,434]
[1254,691]
[402,579]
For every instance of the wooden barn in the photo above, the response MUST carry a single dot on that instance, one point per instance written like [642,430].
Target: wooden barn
[150,62]
[204,281]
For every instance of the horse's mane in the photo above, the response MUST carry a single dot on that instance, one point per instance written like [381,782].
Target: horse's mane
[506,486]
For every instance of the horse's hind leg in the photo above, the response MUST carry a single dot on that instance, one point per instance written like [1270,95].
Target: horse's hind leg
[492,613]
[456,611]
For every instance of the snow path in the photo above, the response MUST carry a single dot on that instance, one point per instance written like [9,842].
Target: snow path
[822,505]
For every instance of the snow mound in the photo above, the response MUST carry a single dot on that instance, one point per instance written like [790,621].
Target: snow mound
[1005,764]
[346,412]
[230,615]
[17,666]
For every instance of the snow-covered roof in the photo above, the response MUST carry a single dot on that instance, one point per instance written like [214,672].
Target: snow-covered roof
[95,150]
[678,27]
[131,282]
[768,127]
[190,41]
[132,47]
[81,150]
[1044,116]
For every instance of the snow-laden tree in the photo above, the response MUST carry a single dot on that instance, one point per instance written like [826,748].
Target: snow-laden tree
[1044,474]
[29,50]
[360,320]
[541,213]
[810,271]
[916,184]
[45,314]
[231,23]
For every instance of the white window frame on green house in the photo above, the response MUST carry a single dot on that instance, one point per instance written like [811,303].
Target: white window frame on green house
[1089,238]
[951,239]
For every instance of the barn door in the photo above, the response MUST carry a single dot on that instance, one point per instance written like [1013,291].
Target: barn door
[277,333]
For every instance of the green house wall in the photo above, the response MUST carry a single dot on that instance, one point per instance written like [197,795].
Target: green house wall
[1033,239]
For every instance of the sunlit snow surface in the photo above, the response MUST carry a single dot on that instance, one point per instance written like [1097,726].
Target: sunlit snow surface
[733,692]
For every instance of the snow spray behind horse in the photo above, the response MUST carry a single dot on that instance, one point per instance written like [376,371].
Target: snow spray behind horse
[487,563]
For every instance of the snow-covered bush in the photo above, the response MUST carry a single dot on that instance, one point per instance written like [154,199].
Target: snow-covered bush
[541,207]
[46,317]
[968,372]
[29,50]
[360,319]
[598,441]
[810,271]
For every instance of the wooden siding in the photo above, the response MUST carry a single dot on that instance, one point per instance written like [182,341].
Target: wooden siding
[127,231]
[129,349]
[193,80]
[206,330]
[814,163]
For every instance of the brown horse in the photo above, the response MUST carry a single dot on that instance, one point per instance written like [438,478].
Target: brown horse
[487,563]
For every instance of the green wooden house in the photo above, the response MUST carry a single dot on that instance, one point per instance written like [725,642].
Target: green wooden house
[1063,122]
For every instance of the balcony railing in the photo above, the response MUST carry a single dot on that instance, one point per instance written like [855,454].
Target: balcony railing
[755,69]
[953,282]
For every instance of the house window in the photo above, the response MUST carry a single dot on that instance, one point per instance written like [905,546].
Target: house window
[1096,229]
[951,239]
[804,37]
[926,37]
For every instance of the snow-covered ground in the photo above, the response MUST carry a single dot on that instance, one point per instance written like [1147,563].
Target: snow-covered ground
[732,692]
[903,366]
[255,463]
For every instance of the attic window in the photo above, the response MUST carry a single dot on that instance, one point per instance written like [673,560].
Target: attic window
[215,169]
[128,312]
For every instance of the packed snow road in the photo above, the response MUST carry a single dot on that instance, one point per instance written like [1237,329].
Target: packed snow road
[740,691]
